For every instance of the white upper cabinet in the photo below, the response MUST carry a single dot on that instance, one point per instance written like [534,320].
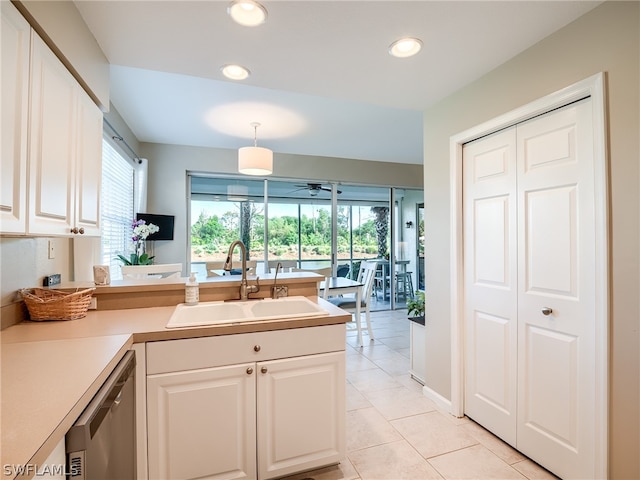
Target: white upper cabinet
[52,152]
[51,140]
[88,166]
[65,135]
[15,104]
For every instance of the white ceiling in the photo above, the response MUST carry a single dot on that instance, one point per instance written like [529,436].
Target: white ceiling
[322,82]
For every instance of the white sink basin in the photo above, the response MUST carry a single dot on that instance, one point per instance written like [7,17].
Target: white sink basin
[217,313]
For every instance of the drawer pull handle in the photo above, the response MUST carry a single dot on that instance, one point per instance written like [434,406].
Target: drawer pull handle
[249,370]
[264,370]
[256,348]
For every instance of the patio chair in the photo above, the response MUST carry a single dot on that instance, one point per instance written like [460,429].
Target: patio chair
[325,272]
[287,265]
[366,276]
[141,272]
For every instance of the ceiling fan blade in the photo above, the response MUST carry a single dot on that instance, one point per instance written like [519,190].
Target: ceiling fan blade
[328,190]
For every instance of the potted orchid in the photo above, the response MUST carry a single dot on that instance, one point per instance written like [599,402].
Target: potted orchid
[141,230]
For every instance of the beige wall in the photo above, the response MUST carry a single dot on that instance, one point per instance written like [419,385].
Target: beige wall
[169,164]
[25,261]
[605,39]
[60,24]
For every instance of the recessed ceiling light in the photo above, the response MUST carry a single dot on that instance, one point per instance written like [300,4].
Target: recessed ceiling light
[235,72]
[247,12]
[405,47]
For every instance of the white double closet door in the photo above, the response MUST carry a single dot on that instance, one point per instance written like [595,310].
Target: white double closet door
[529,269]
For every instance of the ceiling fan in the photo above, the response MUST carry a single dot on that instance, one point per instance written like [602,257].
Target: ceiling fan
[314,188]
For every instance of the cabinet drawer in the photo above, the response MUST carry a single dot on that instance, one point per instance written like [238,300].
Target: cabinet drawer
[204,352]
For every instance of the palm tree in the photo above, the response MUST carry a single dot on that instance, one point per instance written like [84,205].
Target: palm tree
[382,229]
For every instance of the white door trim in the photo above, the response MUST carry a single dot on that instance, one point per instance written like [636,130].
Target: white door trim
[593,87]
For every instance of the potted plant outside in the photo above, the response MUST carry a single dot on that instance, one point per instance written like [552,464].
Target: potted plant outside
[415,308]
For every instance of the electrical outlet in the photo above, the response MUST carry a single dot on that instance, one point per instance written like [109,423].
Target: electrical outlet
[52,250]
[51,280]
[93,305]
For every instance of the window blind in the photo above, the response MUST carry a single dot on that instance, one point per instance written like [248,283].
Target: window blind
[117,207]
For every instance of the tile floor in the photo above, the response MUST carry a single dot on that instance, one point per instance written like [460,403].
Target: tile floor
[394,432]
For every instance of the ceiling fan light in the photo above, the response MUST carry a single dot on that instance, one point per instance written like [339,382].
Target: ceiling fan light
[405,47]
[235,72]
[255,161]
[248,13]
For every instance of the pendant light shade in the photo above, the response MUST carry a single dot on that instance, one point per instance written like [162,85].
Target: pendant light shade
[255,160]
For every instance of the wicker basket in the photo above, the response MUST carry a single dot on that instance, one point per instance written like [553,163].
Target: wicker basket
[45,304]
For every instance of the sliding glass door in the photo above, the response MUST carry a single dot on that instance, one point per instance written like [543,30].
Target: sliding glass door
[293,223]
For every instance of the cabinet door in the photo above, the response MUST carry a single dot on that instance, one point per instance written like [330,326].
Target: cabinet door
[301,413]
[15,90]
[202,424]
[88,166]
[52,150]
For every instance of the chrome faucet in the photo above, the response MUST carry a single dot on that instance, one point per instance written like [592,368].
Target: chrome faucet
[245,288]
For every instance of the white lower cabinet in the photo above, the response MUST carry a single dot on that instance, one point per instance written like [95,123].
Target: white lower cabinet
[202,423]
[301,413]
[276,415]
[418,356]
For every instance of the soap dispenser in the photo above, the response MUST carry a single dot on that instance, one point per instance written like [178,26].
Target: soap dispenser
[191,290]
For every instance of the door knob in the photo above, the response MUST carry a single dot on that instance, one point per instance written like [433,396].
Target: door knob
[547,311]
[249,370]
[263,369]
[256,348]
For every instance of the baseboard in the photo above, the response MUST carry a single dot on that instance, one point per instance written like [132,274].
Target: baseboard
[442,402]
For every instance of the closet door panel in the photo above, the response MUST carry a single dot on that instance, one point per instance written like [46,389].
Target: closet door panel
[556,319]
[490,282]
[550,241]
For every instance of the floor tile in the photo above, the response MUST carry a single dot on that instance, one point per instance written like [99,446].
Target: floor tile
[376,351]
[408,381]
[395,461]
[368,380]
[342,471]
[355,399]
[533,471]
[359,362]
[366,427]
[501,449]
[394,364]
[405,352]
[431,434]
[399,402]
[475,462]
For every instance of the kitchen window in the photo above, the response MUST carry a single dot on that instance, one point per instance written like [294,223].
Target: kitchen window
[117,205]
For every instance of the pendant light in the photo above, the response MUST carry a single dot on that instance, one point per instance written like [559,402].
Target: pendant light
[255,160]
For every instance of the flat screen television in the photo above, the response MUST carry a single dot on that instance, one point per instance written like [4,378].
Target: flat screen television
[164,223]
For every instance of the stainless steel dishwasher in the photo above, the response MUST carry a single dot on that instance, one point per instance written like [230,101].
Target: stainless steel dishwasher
[101,445]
